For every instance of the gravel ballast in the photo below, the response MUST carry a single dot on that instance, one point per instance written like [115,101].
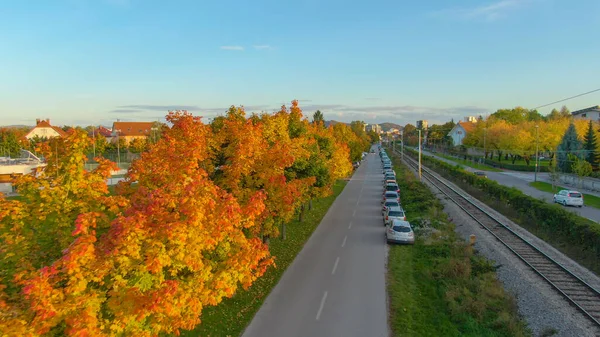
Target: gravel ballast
[546,312]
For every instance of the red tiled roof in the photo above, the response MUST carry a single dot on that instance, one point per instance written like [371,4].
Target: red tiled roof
[100,131]
[468,126]
[45,123]
[133,128]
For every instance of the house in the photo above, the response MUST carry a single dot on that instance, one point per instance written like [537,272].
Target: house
[461,129]
[131,130]
[44,130]
[101,132]
[591,113]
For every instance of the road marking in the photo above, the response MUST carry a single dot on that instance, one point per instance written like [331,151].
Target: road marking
[350,225]
[335,265]
[344,243]
[321,306]
[354,213]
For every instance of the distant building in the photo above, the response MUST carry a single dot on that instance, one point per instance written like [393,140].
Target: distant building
[591,113]
[101,132]
[374,127]
[422,124]
[461,129]
[131,130]
[44,130]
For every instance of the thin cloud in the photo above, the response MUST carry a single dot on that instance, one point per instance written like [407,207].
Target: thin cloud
[125,111]
[263,47]
[158,107]
[489,12]
[237,48]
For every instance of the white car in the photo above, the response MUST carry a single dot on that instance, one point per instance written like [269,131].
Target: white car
[566,197]
[399,231]
[393,213]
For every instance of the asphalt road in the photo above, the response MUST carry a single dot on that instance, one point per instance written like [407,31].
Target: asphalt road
[336,284]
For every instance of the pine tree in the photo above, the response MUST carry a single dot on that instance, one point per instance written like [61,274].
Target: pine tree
[590,146]
[569,144]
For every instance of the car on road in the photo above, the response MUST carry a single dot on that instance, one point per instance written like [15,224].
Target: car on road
[480,174]
[567,197]
[399,231]
[389,181]
[392,187]
[393,213]
[390,195]
[389,203]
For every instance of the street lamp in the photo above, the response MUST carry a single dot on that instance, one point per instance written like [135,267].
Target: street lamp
[484,148]
[536,152]
[118,150]
[420,155]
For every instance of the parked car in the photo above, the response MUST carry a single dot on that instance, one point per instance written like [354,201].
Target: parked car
[399,231]
[567,197]
[389,203]
[389,181]
[393,213]
[392,187]
[390,195]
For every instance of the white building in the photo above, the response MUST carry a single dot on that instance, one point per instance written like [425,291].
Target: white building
[374,127]
[43,129]
[591,113]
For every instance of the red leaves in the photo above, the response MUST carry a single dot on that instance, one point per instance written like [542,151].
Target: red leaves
[184,232]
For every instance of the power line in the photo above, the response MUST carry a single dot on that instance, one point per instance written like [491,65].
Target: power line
[566,99]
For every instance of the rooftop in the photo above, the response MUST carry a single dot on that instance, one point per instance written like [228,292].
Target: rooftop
[592,108]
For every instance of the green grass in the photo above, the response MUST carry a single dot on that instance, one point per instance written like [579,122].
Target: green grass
[588,199]
[440,286]
[232,315]
[522,162]
[469,163]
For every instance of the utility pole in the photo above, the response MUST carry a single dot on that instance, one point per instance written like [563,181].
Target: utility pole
[118,150]
[402,145]
[420,178]
[484,148]
[536,152]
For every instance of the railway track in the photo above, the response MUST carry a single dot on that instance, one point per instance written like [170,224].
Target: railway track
[585,297]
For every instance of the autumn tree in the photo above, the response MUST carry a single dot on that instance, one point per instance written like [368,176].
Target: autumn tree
[9,143]
[570,144]
[37,233]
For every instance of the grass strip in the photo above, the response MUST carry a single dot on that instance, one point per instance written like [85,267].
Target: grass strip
[588,199]
[440,286]
[469,163]
[231,316]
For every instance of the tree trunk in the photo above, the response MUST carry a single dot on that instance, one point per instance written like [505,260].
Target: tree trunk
[283,236]
[266,240]
[301,217]
[310,204]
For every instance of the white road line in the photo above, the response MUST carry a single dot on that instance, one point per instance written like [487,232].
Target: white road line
[321,306]
[354,213]
[344,243]
[350,225]
[335,265]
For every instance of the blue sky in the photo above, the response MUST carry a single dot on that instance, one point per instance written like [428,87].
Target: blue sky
[87,62]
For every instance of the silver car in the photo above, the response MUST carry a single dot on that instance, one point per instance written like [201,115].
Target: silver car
[389,203]
[566,197]
[393,213]
[399,231]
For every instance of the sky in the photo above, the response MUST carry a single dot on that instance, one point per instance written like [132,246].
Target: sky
[83,62]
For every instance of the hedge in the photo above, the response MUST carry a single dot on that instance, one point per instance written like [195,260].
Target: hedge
[572,228]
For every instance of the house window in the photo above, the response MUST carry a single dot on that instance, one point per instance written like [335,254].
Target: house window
[459,132]
[583,115]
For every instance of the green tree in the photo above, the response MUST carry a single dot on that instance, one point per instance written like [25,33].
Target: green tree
[318,117]
[554,115]
[517,115]
[9,144]
[565,112]
[589,142]
[570,144]
[581,168]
